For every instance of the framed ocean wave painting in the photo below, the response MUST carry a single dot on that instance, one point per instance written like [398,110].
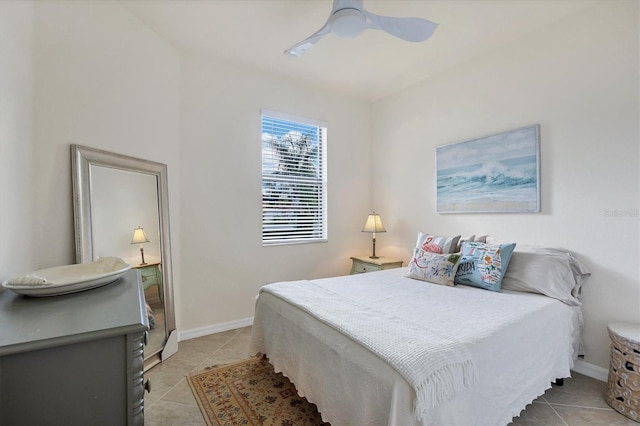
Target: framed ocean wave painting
[494,174]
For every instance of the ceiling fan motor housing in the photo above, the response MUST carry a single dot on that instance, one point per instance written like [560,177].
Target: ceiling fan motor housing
[348,23]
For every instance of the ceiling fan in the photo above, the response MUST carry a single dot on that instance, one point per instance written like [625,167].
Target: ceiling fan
[348,18]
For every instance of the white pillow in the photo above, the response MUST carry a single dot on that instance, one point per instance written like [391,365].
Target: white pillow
[553,272]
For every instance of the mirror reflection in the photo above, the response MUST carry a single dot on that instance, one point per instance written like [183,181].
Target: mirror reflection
[125,224]
[121,209]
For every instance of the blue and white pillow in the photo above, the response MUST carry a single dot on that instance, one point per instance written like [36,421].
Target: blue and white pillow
[434,268]
[484,265]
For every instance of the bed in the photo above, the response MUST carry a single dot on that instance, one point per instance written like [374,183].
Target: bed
[318,333]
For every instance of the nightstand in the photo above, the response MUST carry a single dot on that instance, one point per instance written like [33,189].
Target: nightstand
[366,264]
[150,275]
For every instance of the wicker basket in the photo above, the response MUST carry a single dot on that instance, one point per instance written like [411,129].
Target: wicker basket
[623,387]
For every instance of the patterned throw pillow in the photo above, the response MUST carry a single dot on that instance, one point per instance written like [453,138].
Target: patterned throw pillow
[434,268]
[484,265]
[436,244]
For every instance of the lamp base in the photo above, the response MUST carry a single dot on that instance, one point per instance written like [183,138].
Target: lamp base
[373,256]
[142,254]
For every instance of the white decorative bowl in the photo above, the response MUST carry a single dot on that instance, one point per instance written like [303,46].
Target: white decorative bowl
[69,278]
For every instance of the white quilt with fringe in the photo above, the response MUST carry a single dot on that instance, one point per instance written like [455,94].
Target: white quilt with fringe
[435,364]
[518,344]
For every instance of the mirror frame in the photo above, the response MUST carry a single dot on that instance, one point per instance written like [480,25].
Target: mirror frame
[82,158]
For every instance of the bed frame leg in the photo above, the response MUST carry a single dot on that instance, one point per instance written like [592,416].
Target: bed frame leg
[559,382]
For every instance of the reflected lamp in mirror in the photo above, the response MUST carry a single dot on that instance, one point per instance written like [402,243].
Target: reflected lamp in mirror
[373,225]
[139,237]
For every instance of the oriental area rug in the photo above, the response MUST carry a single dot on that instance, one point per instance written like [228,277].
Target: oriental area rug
[250,393]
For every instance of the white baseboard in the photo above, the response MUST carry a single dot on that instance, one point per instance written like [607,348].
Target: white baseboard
[591,370]
[215,328]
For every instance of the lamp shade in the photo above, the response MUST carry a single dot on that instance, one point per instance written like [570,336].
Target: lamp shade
[373,224]
[139,236]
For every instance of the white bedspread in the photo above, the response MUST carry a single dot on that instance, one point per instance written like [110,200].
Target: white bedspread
[519,343]
[436,365]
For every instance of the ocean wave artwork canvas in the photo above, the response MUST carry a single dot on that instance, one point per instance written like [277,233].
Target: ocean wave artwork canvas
[498,173]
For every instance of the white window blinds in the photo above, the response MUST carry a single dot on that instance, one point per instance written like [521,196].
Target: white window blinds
[294,179]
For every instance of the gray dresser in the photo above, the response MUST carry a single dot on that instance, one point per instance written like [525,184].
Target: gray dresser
[74,359]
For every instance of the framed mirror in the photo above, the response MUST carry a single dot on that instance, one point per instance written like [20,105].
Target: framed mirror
[121,209]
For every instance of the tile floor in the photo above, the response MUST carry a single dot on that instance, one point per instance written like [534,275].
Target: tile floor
[579,402]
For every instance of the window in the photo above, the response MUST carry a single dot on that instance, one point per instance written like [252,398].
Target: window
[294,179]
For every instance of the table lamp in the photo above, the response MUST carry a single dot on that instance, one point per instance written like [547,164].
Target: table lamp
[139,237]
[373,225]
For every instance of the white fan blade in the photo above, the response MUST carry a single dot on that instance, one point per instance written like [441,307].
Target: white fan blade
[409,29]
[300,48]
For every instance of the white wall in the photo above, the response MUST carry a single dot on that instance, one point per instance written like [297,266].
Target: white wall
[16,112]
[76,72]
[90,73]
[224,263]
[578,79]
[104,80]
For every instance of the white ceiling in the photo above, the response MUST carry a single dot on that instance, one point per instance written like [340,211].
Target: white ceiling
[373,65]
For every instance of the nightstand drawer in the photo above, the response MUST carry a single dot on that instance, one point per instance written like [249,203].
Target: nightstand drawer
[149,276]
[361,267]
